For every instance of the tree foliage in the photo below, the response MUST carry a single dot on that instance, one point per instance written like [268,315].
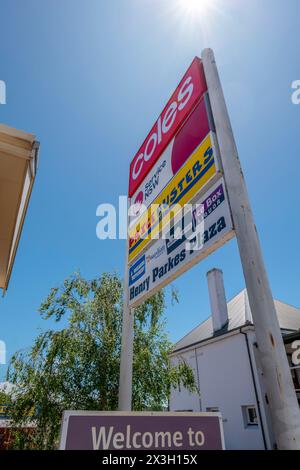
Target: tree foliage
[77,367]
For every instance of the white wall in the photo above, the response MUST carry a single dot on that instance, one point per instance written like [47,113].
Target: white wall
[225,382]
[183,400]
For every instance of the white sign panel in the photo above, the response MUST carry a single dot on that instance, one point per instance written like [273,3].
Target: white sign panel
[205,226]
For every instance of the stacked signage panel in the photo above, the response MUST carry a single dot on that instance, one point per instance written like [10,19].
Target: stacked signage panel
[179,211]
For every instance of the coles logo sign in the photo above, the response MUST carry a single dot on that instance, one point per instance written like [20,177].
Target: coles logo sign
[181,103]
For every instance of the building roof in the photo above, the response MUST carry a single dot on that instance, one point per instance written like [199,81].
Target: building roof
[18,164]
[239,314]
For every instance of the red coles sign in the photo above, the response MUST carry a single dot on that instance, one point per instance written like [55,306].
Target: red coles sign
[179,106]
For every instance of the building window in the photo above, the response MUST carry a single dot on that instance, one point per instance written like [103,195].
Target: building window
[212,409]
[250,415]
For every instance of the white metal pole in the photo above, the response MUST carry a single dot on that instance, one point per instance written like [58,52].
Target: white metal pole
[125,383]
[284,408]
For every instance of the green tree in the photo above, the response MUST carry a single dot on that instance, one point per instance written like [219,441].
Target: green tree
[5,404]
[77,367]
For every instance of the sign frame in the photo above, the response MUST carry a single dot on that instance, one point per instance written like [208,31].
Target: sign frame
[125,379]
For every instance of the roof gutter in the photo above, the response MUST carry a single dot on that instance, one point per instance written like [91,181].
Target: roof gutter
[213,339]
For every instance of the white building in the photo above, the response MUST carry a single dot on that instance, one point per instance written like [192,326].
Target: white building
[223,354]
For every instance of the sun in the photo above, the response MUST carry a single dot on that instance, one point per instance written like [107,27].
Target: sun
[196,18]
[195,7]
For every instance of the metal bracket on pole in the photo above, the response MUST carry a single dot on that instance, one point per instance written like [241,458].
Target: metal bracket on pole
[284,408]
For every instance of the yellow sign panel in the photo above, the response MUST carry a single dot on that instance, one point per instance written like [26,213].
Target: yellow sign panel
[194,174]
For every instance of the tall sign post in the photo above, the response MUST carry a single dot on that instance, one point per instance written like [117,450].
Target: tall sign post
[125,385]
[186,178]
[284,407]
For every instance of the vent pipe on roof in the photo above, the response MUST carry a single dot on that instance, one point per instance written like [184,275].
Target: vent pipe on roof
[217,298]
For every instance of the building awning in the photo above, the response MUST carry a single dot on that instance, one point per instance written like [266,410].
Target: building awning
[18,165]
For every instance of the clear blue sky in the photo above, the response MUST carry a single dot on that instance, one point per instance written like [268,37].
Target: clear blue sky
[89,77]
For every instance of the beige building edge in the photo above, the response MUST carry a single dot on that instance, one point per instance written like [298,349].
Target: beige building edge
[18,166]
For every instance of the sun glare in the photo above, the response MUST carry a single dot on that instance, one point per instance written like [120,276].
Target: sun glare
[195,7]
[197,17]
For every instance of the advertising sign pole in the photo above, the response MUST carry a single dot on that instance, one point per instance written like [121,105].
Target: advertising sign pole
[284,409]
[125,383]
